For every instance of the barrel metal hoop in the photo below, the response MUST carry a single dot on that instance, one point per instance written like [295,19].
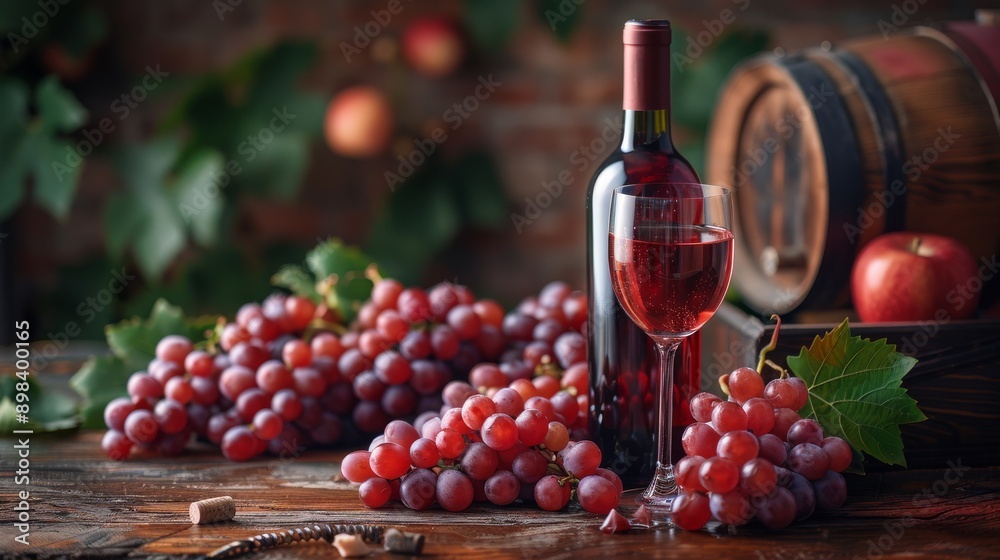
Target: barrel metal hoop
[892,149]
[844,177]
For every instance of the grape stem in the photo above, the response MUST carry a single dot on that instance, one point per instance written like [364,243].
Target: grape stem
[372,273]
[782,371]
[770,345]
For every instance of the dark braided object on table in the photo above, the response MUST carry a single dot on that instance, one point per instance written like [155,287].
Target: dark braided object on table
[324,531]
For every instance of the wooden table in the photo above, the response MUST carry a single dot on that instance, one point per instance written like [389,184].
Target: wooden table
[85,506]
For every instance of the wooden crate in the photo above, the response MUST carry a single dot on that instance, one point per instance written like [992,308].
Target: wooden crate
[956,381]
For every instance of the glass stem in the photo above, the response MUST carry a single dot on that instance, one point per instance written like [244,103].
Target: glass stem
[665,410]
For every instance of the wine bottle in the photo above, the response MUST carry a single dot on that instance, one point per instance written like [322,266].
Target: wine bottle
[622,358]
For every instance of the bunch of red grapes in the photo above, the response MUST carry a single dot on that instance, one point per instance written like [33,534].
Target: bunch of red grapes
[497,450]
[268,382]
[753,456]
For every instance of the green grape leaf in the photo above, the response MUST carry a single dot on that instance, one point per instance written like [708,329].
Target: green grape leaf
[32,146]
[49,410]
[344,266]
[298,280]
[98,381]
[856,393]
[169,197]
[134,340]
[59,110]
[54,185]
[133,345]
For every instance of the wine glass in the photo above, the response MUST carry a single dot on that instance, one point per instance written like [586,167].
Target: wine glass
[671,258]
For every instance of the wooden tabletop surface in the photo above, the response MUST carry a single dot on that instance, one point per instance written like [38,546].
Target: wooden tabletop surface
[83,505]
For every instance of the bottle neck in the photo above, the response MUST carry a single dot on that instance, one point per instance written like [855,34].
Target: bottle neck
[646,130]
[646,96]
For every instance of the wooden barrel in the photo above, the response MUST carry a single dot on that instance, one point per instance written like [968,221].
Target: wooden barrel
[829,147]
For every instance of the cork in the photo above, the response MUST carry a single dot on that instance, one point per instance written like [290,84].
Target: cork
[350,546]
[403,543]
[212,510]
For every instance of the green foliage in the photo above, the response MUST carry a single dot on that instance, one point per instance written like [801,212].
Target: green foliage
[855,391]
[166,200]
[696,80]
[491,24]
[428,211]
[254,116]
[133,345]
[48,410]
[561,16]
[35,146]
[334,275]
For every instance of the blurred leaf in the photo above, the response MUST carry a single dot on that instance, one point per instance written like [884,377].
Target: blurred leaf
[199,199]
[120,220]
[89,28]
[160,235]
[490,23]
[32,147]
[276,72]
[698,72]
[345,266]
[276,170]
[54,187]
[253,114]
[134,340]
[479,191]
[58,110]
[421,218]
[561,16]
[48,410]
[167,197]
[99,380]
[298,280]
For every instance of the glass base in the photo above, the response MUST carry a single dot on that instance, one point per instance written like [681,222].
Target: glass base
[656,498]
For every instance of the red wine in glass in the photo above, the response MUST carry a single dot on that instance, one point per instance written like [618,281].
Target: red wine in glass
[676,276]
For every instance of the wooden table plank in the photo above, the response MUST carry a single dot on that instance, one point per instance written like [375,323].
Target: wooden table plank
[85,506]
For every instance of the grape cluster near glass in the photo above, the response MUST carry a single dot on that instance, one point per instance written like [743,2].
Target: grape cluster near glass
[269,381]
[754,457]
[498,450]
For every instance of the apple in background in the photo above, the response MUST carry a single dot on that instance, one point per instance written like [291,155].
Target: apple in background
[433,46]
[906,276]
[358,122]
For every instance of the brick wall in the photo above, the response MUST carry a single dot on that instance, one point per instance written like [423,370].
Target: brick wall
[555,98]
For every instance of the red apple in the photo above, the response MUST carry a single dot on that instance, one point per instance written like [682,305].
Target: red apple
[433,47]
[359,122]
[906,276]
